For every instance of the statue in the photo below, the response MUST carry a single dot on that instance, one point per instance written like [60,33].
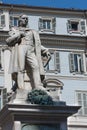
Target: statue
[26,54]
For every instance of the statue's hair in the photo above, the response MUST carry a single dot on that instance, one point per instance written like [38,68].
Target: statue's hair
[23,15]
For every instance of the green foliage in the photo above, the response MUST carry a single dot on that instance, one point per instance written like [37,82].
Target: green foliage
[39,97]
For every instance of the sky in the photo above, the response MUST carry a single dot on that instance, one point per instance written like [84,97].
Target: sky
[77,4]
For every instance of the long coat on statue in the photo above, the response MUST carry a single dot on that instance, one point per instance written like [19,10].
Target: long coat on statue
[18,53]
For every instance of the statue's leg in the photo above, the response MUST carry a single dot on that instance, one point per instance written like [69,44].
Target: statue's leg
[20,80]
[15,85]
[34,71]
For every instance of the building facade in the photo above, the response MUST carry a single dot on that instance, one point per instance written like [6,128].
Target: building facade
[64,32]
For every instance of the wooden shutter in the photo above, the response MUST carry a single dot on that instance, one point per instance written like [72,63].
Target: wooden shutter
[82,63]
[85,103]
[52,62]
[69,26]
[57,61]
[82,101]
[4,96]
[0,60]
[2,20]
[79,101]
[53,24]
[40,23]
[11,21]
[71,62]
[82,26]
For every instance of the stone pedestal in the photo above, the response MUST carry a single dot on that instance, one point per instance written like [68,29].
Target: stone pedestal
[35,117]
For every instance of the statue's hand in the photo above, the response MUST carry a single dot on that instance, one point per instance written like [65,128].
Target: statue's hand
[22,34]
[47,54]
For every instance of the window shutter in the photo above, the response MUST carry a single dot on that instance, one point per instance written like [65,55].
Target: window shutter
[69,27]
[4,96]
[40,24]
[0,60]
[85,103]
[54,24]
[79,100]
[71,62]
[82,26]
[82,64]
[11,21]
[57,61]
[2,20]
[52,62]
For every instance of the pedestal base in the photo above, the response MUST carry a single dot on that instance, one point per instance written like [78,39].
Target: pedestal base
[23,117]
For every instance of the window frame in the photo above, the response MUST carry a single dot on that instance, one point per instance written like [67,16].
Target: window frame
[81,26]
[11,20]
[81,102]
[2,21]
[56,64]
[80,62]
[52,24]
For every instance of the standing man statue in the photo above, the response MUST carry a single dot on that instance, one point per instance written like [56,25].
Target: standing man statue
[26,53]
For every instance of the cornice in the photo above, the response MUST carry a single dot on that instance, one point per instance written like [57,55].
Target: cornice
[36,114]
[55,40]
[62,40]
[73,77]
[40,9]
[63,37]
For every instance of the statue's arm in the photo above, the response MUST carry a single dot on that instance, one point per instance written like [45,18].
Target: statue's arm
[45,53]
[12,40]
[15,36]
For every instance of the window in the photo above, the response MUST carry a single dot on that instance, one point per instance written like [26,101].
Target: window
[76,61]
[81,99]
[2,20]
[13,21]
[47,24]
[76,26]
[54,63]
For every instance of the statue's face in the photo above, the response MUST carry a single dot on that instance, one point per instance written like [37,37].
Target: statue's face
[23,21]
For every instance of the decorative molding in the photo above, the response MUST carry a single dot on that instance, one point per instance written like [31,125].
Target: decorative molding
[47,10]
[69,77]
[54,82]
[64,41]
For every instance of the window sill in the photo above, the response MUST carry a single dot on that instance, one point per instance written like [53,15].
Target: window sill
[78,73]
[47,30]
[52,71]
[76,32]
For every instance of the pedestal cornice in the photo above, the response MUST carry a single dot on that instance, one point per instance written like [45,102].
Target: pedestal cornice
[36,113]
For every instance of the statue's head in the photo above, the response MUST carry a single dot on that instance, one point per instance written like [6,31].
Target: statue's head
[23,20]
